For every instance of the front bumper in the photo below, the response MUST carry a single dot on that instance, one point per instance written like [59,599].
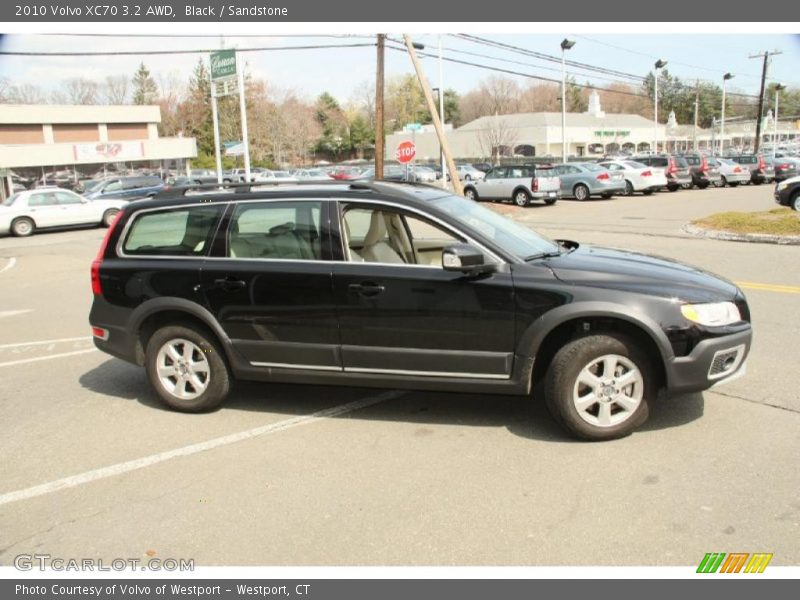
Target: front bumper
[712,361]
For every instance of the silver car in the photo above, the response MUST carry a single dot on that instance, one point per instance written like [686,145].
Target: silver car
[732,172]
[583,180]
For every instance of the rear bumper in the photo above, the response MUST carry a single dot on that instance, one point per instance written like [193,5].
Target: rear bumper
[708,364]
[546,194]
[676,180]
[737,177]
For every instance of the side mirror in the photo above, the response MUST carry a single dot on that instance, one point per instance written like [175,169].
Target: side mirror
[466,259]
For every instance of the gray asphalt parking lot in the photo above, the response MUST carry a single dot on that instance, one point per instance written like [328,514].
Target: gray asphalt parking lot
[285,475]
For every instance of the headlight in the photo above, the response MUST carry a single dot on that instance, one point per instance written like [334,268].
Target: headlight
[712,315]
[782,186]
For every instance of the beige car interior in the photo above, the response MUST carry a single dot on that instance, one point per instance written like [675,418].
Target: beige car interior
[387,239]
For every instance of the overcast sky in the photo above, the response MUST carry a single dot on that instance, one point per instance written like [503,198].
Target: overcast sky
[341,70]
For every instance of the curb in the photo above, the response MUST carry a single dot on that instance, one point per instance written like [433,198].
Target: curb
[728,236]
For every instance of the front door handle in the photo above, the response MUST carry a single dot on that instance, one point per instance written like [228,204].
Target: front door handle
[229,284]
[366,288]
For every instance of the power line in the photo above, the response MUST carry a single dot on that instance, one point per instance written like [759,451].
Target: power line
[203,35]
[174,52]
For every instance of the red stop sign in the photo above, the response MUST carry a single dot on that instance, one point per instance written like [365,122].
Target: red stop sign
[406,151]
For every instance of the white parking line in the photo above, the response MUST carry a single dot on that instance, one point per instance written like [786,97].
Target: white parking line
[226,440]
[46,342]
[48,357]
[11,262]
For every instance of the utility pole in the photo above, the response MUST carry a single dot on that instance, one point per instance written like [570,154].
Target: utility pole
[696,110]
[765,56]
[437,123]
[725,79]
[379,133]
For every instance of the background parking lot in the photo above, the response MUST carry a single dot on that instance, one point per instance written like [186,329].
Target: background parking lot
[286,475]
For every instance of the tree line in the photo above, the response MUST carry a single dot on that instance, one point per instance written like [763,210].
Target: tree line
[286,127]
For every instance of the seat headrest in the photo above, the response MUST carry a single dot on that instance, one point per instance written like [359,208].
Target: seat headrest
[377,229]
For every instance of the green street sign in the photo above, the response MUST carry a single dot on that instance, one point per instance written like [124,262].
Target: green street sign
[223,65]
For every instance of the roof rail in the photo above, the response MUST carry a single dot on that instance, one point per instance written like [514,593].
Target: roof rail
[244,188]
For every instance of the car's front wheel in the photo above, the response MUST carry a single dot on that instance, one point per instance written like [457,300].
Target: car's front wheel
[598,387]
[186,368]
[471,194]
[795,201]
[22,227]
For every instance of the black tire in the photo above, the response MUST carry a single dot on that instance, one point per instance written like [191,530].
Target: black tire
[218,380]
[606,196]
[467,177]
[648,192]
[22,227]
[628,188]
[471,193]
[581,192]
[673,188]
[521,198]
[723,181]
[109,216]
[703,185]
[733,183]
[561,385]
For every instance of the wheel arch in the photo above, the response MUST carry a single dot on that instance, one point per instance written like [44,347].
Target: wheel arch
[521,188]
[543,338]
[159,312]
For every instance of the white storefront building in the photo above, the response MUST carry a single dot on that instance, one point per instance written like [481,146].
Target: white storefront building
[592,134]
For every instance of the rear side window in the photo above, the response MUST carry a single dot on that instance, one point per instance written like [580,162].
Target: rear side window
[175,232]
[681,162]
[287,230]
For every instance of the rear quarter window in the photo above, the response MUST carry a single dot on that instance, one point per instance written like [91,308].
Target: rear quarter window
[172,232]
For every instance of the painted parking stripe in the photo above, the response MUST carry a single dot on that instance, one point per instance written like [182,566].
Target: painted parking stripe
[226,440]
[11,262]
[14,313]
[769,287]
[46,342]
[24,361]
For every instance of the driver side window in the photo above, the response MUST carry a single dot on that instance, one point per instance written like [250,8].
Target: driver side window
[381,235]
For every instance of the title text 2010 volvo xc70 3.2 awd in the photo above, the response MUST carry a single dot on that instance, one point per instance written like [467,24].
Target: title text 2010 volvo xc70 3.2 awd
[403,286]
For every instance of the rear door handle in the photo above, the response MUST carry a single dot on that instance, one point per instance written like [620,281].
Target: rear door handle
[229,284]
[366,288]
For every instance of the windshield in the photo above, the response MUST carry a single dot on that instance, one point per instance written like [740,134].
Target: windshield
[10,200]
[515,239]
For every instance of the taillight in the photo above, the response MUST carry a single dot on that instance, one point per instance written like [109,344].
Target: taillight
[647,173]
[535,184]
[671,166]
[737,169]
[703,164]
[97,286]
[783,167]
[762,164]
[603,177]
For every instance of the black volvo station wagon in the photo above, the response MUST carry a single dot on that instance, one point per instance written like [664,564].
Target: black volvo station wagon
[403,286]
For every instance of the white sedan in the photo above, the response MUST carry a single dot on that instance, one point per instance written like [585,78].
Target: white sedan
[24,212]
[638,176]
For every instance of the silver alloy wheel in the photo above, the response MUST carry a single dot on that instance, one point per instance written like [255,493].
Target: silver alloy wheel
[109,216]
[796,203]
[183,369]
[23,227]
[521,198]
[581,192]
[608,390]
[470,194]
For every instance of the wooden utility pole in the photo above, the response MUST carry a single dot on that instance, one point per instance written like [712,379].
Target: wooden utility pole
[379,133]
[696,111]
[766,56]
[437,122]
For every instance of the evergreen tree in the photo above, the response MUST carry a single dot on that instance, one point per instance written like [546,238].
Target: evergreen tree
[145,90]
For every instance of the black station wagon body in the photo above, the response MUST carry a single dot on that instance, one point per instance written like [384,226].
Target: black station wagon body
[403,286]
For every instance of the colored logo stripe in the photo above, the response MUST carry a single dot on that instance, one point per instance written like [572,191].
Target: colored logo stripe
[758,563]
[717,561]
[711,562]
[734,562]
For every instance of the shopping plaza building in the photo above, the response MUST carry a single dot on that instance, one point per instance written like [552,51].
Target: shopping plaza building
[593,133]
[86,139]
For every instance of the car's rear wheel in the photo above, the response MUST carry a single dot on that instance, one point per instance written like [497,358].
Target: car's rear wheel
[22,227]
[598,387]
[703,185]
[109,216]
[581,192]
[522,198]
[648,192]
[628,188]
[723,181]
[471,194]
[673,188]
[186,368]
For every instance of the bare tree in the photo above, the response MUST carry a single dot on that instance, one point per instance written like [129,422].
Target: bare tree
[497,138]
[171,93]
[114,89]
[541,97]
[79,90]
[26,94]
[363,98]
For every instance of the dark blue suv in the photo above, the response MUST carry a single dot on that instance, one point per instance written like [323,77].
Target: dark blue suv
[126,188]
